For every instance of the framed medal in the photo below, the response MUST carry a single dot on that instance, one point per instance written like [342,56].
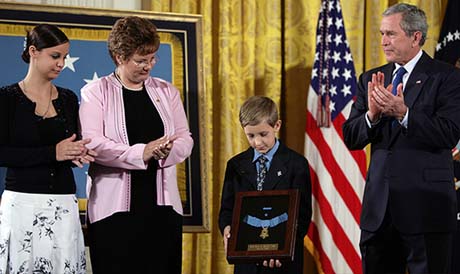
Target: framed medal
[264,226]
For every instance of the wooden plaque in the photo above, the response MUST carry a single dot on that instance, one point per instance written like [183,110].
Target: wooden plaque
[264,226]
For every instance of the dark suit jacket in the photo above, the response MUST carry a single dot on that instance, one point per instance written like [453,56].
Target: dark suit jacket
[411,171]
[288,170]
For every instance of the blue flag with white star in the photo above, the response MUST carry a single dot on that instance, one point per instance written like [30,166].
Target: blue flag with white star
[448,47]
[333,75]
[87,61]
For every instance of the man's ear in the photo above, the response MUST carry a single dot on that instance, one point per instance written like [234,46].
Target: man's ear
[417,38]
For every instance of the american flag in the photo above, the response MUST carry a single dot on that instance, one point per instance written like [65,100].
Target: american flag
[338,175]
[449,38]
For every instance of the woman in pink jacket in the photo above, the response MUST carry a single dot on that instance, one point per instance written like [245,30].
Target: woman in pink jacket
[139,129]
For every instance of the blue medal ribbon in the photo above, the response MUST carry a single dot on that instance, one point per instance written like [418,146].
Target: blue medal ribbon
[256,222]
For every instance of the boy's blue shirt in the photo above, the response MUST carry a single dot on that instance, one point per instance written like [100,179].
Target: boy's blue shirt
[269,155]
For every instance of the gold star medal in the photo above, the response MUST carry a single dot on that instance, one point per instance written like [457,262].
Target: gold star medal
[264,233]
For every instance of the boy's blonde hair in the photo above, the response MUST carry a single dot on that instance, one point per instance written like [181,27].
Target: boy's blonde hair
[257,109]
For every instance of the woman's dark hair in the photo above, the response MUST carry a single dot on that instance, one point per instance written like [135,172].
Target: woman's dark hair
[43,36]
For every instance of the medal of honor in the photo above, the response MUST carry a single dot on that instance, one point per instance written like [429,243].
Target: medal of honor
[265,224]
[264,233]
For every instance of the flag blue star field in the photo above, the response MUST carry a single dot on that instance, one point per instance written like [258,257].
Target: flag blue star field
[448,47]
[87,61]
[338,175]
[333,72]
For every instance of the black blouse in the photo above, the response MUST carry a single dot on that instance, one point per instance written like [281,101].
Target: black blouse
[143,124]
[28,142]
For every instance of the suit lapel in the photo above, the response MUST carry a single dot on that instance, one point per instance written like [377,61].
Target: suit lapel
[416,80]
[277,171]
[247,168]
[278,168]
[413,87]
[388,72]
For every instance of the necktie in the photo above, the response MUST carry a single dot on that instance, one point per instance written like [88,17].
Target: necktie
[398,79]
[262,172]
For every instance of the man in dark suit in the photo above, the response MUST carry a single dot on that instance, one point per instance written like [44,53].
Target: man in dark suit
[282,168]
[411,118]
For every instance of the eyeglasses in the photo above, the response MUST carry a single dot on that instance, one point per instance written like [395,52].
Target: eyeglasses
[145,63]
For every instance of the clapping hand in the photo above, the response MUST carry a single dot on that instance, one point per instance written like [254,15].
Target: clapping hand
[85,158]
[159,149]
[381,100]
[75,151]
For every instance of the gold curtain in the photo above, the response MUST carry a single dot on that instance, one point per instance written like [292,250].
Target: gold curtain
[267,47]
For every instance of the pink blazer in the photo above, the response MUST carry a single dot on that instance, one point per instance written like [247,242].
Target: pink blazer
[102,120]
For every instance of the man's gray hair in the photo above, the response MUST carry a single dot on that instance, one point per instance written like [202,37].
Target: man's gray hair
[413,19]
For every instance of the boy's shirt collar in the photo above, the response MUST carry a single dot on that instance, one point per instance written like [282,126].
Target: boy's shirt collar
[269,154]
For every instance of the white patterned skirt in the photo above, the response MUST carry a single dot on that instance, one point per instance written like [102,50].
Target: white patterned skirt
[40,233]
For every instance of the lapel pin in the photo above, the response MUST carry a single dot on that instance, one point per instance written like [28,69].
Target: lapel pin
[279,173]
[418,81]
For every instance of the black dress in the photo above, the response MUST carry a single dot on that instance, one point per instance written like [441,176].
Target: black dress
[148,235]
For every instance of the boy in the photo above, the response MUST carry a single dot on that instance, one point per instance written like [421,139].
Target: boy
[282,168]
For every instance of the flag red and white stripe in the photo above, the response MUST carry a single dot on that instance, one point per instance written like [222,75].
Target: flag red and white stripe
[338,175]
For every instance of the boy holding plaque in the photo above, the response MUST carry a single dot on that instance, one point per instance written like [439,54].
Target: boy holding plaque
[267,164]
